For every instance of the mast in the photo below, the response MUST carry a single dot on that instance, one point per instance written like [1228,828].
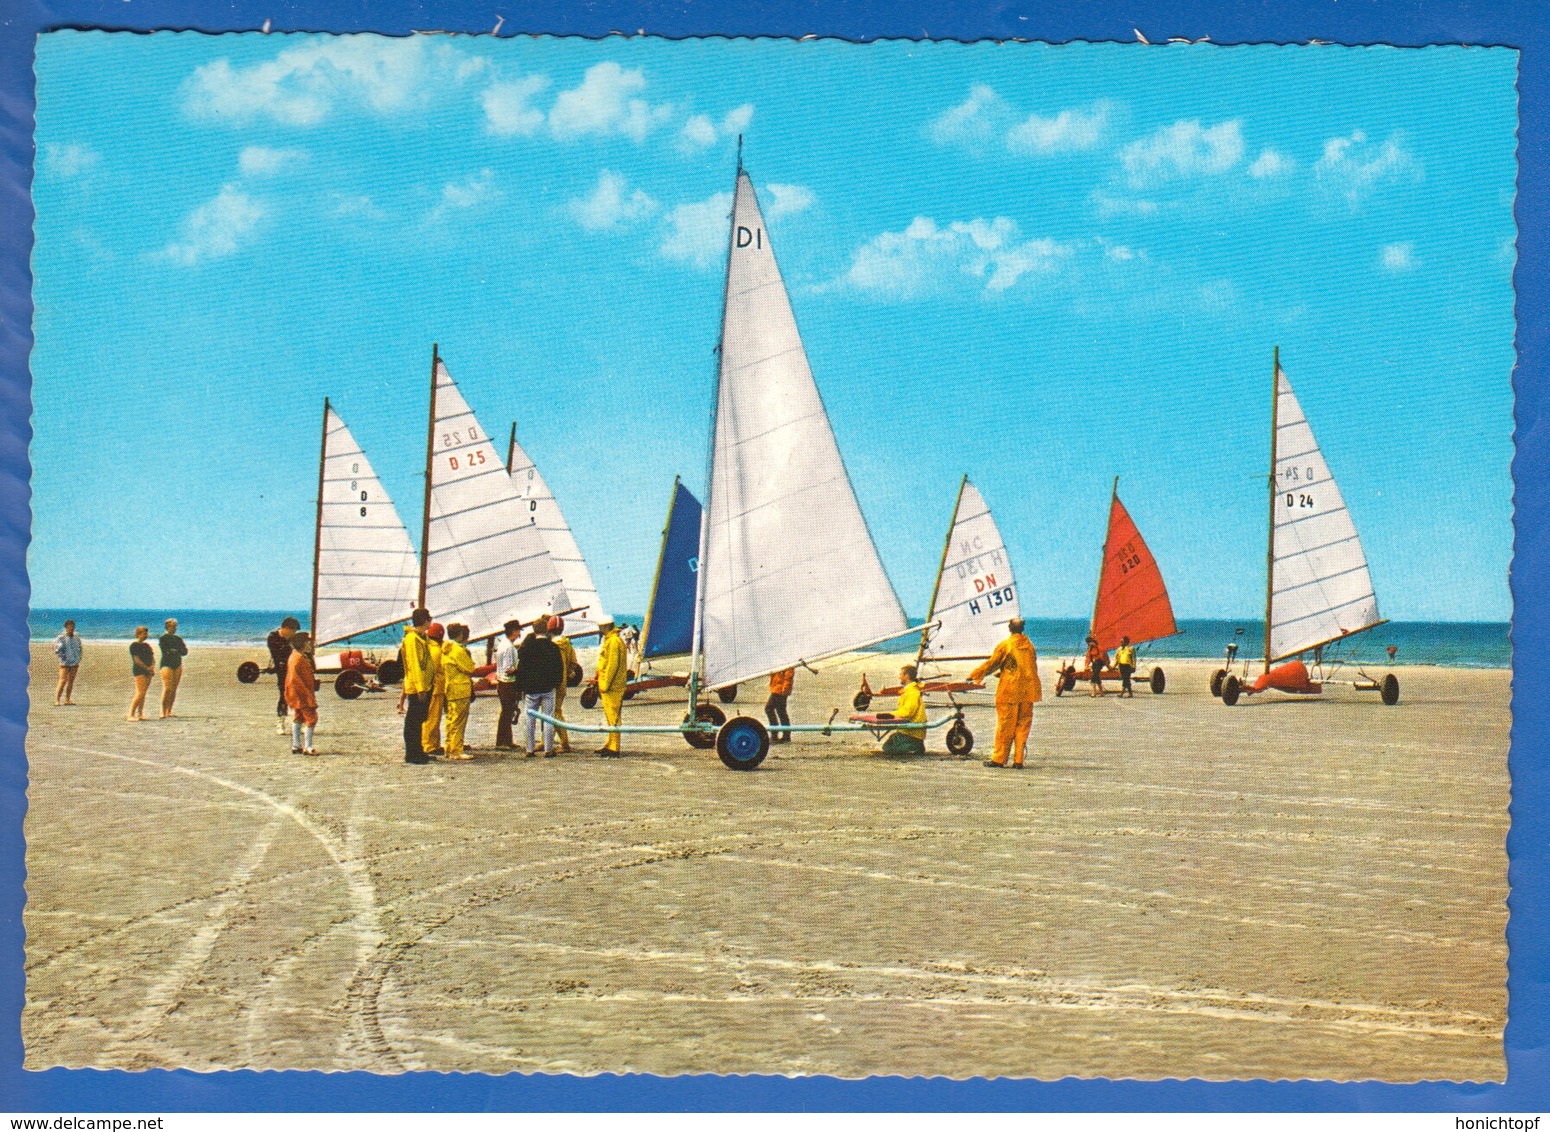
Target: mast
[710,459]
[1092,622]
[947,543]
[511,447]
[430,455]
[317,533]
[656,578]
[1270,544]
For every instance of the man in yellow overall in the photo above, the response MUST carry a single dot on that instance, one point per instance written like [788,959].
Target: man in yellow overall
[611,678]
[1017,689]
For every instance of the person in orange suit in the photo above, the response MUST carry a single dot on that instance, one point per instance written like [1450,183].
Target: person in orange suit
[301,694]
[1016,665]
[781,684]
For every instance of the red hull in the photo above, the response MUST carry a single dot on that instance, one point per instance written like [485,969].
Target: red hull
[1291,677]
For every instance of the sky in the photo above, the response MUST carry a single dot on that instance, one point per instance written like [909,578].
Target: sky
[1040,265]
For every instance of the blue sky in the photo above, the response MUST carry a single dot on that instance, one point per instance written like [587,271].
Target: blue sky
[1040,265]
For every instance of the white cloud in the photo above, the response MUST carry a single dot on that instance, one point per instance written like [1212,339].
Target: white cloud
[261,161]
[69,161]
[1270,163]
[216,228]
[699,131]
[304,84]
[508,106]
[927,259]
[1397,257]
[985,120]
[1067,131]
[1184,149]
[1122,254]
[1109,206]
[1356,168]
[697,233]
[785,200]
[357,205]
[974,121]
[460,196]
[610,204]
[604,104]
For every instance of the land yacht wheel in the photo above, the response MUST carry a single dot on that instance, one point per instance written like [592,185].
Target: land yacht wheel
[705,713]
[349,684]
[1216,681]
[1159,681]
[1390,690]
[1231,687]
[727,695]
[589,697]
[248,672]
[960,740]
[742,743]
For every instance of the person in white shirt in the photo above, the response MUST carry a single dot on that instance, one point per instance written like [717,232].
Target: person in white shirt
[67,647]
[506,684]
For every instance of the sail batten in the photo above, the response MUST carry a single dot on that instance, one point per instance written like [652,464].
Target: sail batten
[789,568]
[544,513]
[485,560]
[976,592]
[1320,586]
[1132,596]
[367,571]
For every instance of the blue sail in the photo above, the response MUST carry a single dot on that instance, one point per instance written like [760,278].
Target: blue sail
[669,629]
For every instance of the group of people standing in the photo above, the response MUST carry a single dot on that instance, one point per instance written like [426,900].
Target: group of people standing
[531,676]
[143,665]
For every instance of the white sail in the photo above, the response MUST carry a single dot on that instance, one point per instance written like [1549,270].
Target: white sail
[544,513]
[976,595]
[1320,587]
[367,570]
[789,571]
[485,561]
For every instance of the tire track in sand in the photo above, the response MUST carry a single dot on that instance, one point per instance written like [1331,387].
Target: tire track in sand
[365,923]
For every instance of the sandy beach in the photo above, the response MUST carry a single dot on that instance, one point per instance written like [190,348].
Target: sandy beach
[1172,888]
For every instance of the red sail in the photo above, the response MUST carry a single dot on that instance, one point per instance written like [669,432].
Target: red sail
[1132,599]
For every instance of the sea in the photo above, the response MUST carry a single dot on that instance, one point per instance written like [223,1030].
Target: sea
[1450,644]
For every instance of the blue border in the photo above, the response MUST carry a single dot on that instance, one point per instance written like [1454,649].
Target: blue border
[1524,26]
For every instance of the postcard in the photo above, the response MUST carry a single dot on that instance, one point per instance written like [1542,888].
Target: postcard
[770,556]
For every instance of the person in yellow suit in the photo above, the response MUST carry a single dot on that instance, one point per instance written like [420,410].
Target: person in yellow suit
[568,661]
[416,658]
[611,678]
[457,674]
[911,708]
[430,730]
[1017,689]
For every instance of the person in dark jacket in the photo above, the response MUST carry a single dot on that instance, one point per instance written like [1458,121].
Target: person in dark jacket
[540,670]
[280,658]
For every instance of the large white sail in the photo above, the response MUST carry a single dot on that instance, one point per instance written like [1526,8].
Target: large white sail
[485,561]
[367,570]
[1320,588]
[544,513]
[975,594]
[789,571]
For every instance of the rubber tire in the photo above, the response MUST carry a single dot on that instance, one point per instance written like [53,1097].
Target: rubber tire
[728,695]
[1231,687]
[861,701]
[390,671]
[960,740]
[707,713]
[1068,681]
[1390,690]
[742,742]
[1216,681]
[248,672]
[349,684]
[589,697]
[1158,681]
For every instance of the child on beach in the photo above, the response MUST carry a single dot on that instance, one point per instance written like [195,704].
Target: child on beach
[301,694]
[142,661]
[457,668]
[1097,661]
